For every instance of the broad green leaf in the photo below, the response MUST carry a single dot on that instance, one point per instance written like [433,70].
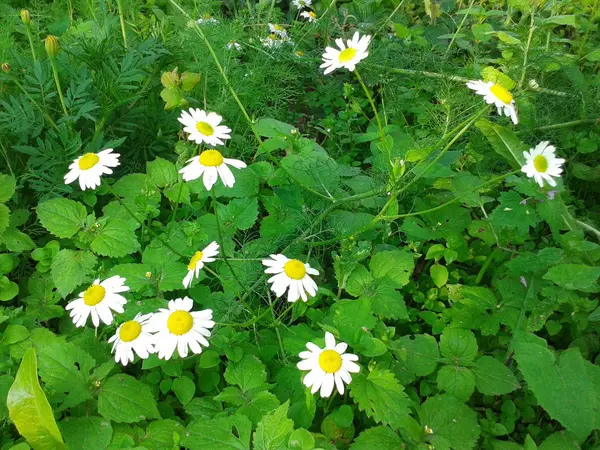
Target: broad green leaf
[139,276]
[7,263]
[457,381]
[29,409]
[62,217]
[566,386]
[387,302]
[268,127]
[71,268]
[89,433]
[504,142]
[301,439]
[380,438]
[8,289]
[439,274]
[454,424]
[482,32]
[184,388]
[458,345]
[239,213]
[224,433]
[514,213]
[7,187]
[494,378]
[248,373]
[381,397]
[116,402]
[15,240]
[314,170]
[358,281]
[351,317]
[261,403]
[593,56]
[13,334]
[6,382]
[395,265]
[115,239]
[160,435]
[561,440]
[273,430]
[559,20]
[419,355]
[4,217]
[574,277]
[162,172]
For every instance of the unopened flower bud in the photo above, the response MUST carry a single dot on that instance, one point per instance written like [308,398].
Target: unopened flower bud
[5,67]
[533,84]
[52,46]
[25,17]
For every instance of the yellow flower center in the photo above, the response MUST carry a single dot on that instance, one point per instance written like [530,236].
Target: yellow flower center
[205,128]
[314,16]
[501,93]
[330,361]
[94,295]
[278,27]
[540,163]
[272,37]
[211,158]
[347,55]
[88,161]
[294,269]
[180,322]
[130,331]
[299,53]
[197,257]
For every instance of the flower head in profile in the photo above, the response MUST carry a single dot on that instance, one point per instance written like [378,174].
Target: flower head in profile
[99,300]
[132,336]
[204,127]
[90,167]
[178,327]
[198,260]
[211,165]
[206,19]
[328,366]
[277,30]
[346,55]
[233,45]
[302,3]
[541,164]
[291,275]
[497,95]
[309,15]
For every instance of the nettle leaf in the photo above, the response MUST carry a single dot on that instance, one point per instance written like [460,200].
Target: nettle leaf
[71,268]
[387,302]
[122,398]
[350,317]
[93,433]
[313,169]
[457,381]
[4,217]
[162,172]
[381,397]
[380,438]
[62,217]
[115,239]
[396,266]
[566,386]
[420,355]
[359,281]
[458,345]
[261,403]
[494,378]
[273,430]
[16,241]
[574,277]
[454,424]
[139,276]
[239,213]
[184,389]
[223,433]
[514,212]
[161,434]
[7,187]
[248,373]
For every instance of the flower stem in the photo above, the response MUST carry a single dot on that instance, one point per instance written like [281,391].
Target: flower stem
[526,53]
[58,87]
[30,38]
[122,20]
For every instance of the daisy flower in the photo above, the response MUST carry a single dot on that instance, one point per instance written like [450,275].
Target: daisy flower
[327,366]
[542,164]
[98,300]
[206,19]
[302,3]
[347,56]
[233,44]
[212,165]
[292,274]
[498,95]
[278,30]
[89,167]
[177,327]
[204,127]
[197,262]
[311,16]
[133,336]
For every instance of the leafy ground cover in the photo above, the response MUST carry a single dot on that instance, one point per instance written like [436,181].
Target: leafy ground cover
[362,224]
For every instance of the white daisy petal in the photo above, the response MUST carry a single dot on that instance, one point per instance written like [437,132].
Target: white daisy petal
[291,275]
[346,56]
[89,167]
[542,164]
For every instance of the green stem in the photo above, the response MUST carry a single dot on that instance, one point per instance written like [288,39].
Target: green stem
[388,18]
[419,73]
[526,54]
[58,87]
[459,28]
[30,38]
[485,266]
[122,20]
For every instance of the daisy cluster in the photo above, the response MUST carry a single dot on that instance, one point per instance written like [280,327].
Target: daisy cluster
[178,327]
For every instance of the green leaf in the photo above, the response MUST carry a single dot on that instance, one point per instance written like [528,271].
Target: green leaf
[350,317]
[162,172]
[458,345]
[439,275]
[395,265]
[218,434]
[574,277]
[494,378]
[62,217]
[161,435]
[4,217]
[240,213]
[567,386]
[184,388]
[29,409]
[115,239]
[512,213]
[8,289]
[116,402]
[16,241]
[268,127]
[70,268]
[381,397]
[301,439]
[262,403]
[273,430]
[89,433]
[454,424]
[380,438]
[559,20]
[419,355]
[313,169]
[7,187]
[136,275]
[189,80]
[359,280]
[457,381]
[504,142]
[387,302]
[248,373]
[561,440]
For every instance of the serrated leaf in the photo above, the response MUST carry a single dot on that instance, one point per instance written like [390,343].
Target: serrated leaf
[71,268]
[381,397]
[116,402]
[350,317]
[61,216]
[115,239]
[162,172]
[262,403]
[15,240]
[395,265]
[248,373]
[380,438]
[240,213]
[574,276]
[457,381]
[4,217]
[458,345]
[90,433]
[273,430]
[139,276]
[454,424]
[8,289]
[161,435]
[419,355]
[513,213]
[7,187]
[494,378]
[218,434]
